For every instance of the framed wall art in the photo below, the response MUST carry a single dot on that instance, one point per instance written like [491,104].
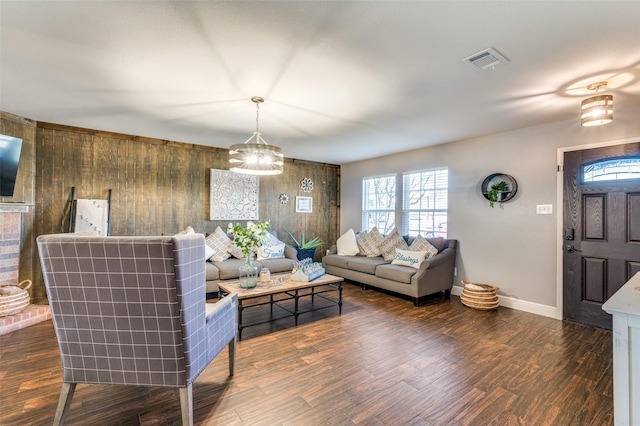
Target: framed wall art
[234,196]
[304,204]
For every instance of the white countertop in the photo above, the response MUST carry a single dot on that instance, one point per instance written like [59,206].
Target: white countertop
[627,299]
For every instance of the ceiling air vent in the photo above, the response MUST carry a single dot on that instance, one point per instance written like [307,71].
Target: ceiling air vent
[487,58]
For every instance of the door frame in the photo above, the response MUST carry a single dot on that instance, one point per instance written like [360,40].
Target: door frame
[560,210]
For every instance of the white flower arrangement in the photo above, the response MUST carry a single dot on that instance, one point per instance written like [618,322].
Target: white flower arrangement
[248,238]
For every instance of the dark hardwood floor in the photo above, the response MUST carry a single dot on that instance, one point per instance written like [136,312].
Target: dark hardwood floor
[382,362]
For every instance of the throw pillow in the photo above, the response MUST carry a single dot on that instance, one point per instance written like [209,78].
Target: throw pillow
[369,243]
[390,243]
[271,252]
[186,231]
[235,251]
[221,243]
[208,252]
[271,248]
[347,244]
[437,242]
[271,240]
[420,244]
[409,258]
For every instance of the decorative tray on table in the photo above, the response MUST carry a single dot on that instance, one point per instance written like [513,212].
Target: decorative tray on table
[306,270]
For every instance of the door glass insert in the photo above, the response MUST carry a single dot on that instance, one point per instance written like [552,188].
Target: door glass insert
[612,170]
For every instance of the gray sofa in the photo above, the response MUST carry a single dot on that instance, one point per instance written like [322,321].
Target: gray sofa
[434,275]
[228,269]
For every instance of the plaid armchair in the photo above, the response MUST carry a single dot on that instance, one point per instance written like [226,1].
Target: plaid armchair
[132,311]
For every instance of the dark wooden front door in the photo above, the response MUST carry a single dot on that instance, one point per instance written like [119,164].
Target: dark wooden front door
[601,235]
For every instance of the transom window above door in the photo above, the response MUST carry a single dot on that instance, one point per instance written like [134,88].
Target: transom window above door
[612,170]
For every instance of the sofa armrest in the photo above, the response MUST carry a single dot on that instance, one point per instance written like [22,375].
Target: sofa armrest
[290,252]
[436,274]
[437,260]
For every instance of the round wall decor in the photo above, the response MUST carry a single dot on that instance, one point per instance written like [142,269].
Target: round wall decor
[499,187]
[306,184]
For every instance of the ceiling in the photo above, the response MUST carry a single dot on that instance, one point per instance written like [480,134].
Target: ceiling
[342,80]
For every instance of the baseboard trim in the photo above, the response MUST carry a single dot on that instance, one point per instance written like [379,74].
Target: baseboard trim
[520,305]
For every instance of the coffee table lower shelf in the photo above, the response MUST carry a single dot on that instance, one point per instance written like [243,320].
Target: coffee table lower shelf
[281,295]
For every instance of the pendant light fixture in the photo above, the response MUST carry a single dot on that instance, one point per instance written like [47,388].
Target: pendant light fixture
[598,109]
[256,157]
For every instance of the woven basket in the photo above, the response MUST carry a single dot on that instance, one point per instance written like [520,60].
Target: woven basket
[479,296]
[14,298]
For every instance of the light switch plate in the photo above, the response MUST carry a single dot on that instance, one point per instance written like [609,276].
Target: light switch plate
[544,209]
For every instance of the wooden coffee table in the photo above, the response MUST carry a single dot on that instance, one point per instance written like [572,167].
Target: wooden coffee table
[280,290]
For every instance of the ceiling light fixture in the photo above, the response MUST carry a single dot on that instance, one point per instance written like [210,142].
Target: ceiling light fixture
[597,110]
[258,157]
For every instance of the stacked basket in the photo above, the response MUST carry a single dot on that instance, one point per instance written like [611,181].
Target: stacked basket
[14,298]
[479,296]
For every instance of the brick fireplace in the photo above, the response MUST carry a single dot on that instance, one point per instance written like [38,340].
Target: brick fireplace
[10,244]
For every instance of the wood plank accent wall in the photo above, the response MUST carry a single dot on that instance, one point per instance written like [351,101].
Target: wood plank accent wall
[160,187]
[25,129]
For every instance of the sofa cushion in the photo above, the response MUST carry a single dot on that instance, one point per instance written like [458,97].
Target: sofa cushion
[282,264]
[409,258]
[390,243]
[420,244]
[220,242]
[369,243]
[211,272]
[347,244]
[397,273]
[229,268]
[337,261]
[366,264]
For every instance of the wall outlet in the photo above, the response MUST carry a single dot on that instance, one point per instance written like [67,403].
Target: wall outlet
[455,271]
[544,209]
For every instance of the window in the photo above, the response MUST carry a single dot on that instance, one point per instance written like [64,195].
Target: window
[379,203]
[424,207]
[608,170]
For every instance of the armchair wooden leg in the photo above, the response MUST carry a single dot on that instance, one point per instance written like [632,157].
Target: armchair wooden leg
[186,405]
[66,394]
[232,355]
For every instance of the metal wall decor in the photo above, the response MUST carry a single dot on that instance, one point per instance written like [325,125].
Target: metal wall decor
[306,185]
[499,188]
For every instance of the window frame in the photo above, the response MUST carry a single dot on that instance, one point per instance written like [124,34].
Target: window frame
[367,222]
[603,161]
[438,214]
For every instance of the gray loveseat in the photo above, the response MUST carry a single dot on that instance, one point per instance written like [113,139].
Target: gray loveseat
[228,269]
[435,274]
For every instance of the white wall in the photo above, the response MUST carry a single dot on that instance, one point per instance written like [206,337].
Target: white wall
[508,246]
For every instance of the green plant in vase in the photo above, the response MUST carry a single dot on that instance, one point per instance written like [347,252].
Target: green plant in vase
[495,190]
[248,239]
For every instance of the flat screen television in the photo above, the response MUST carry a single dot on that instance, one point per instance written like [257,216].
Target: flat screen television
[10,148]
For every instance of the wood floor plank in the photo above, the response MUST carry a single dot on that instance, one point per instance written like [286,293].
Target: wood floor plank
[382,362]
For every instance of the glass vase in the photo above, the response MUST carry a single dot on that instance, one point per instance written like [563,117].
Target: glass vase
[248,274]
